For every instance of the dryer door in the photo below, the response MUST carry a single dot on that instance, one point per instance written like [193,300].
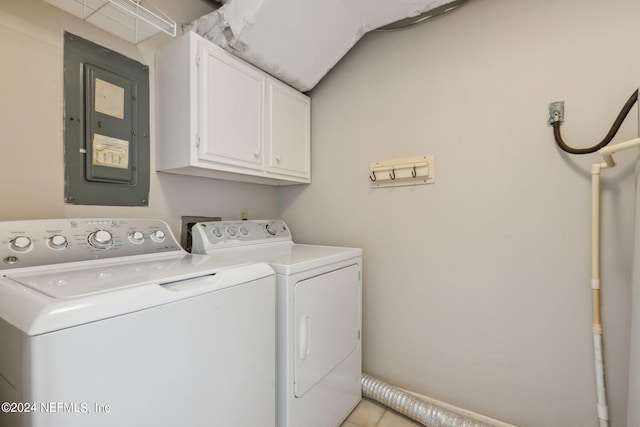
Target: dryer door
[327,315]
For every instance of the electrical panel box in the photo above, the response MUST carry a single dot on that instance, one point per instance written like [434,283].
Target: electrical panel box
[106,119]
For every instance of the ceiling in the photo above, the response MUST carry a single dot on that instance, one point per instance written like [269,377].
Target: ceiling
[300,41]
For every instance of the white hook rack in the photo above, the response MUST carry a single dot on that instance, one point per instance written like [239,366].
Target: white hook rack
[408,171]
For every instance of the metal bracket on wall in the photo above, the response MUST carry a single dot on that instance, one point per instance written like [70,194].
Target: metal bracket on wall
[556,112]
[407,171]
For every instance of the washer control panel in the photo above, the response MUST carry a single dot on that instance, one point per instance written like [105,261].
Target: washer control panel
[218,234]
[56,241]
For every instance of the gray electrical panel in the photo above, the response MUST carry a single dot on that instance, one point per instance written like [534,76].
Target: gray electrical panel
[106,126]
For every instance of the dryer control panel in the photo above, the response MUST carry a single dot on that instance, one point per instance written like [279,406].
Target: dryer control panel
[219,234]
[56,241]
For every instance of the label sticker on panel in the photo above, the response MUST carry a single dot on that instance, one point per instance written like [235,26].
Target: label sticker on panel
[110,152]
[109,99]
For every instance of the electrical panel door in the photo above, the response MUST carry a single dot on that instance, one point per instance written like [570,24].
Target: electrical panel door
[106,126]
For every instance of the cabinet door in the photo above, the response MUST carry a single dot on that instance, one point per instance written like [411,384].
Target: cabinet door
[231,99]
[288,130]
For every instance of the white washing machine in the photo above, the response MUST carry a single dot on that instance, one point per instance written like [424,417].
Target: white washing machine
[319,349]
[108,322]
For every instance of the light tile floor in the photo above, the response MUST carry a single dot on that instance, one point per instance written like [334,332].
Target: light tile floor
[370,413]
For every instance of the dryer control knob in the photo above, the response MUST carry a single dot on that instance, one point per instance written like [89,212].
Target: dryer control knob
[271,229]
[217,232]
[101,239]
[157,236]
[21,243]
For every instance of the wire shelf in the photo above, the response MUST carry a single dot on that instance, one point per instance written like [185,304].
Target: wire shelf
[132,20]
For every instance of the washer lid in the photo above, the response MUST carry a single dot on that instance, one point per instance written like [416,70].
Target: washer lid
[105,277]
[48,300]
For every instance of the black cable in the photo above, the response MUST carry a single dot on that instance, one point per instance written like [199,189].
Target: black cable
[607,139]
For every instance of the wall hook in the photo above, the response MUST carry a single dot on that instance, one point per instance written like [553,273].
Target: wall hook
[400,172]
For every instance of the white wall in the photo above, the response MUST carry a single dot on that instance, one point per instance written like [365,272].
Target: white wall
[31,118]
[477,288]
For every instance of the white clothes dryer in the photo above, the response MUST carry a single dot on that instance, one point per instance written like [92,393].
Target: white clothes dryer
[319,289]
[108,322]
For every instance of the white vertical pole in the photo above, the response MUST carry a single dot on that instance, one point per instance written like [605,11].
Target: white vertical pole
[603,412]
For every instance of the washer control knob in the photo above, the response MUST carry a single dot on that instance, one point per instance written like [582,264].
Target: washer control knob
[157,236]
[136,237]
[21,243]
[101,239]
[271,229]
[58,241]
[243,231]
[217,233]
[11,259]
[232,232]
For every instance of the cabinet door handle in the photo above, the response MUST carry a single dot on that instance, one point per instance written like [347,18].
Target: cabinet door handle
[278,159]
[256,154]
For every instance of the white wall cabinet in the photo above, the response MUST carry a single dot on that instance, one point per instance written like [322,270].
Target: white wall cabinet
[219,117]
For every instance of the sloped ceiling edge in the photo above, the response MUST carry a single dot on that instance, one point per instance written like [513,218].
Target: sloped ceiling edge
[298,42]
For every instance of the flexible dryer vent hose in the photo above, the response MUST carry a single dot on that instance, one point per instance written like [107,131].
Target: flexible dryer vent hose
[417,409]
